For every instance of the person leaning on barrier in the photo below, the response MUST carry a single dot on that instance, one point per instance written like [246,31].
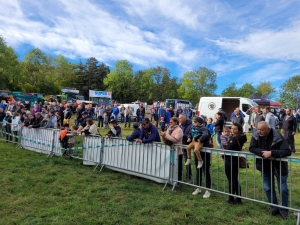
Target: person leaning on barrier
[266,142]
[90,128]
[115,130]
[37,121]
[7,125]
[186,125]
[136,132]
[174,135]
[149,132]
[235,143]
[85,116]
[46,122]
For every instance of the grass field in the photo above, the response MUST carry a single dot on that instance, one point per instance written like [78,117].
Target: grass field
[35,189]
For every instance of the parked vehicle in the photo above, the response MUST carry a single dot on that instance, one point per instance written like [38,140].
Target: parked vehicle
[133,108]
[209,106]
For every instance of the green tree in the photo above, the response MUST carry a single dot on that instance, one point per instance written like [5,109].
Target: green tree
[290,91]
[246,90]
[198,83]
[265,88]
[10,71]
[120,81]
[143,88]
[231,91]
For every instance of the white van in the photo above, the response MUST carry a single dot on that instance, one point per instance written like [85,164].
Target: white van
[209,106]
[133,108]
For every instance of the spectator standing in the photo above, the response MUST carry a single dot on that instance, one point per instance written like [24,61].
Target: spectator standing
[15,125]
[115,112]
[122,113]
[237,118]
[136,132]
[155,116]
[179,111]
[256,117]
[53,118]
[7,124]
[168,117]
[219,124]
[235,143]
[298,120]
[149,132]
[211,127]
[269,144]
[289,129]
[234,113]
[174,135]
[140,113]
[171,111]
[128,115]
[269,117]
[35,109]
[223,115]
[161,112]
[188,113]
[101,111]
[186,125]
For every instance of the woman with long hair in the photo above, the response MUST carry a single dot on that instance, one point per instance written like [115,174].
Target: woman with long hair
[235,143]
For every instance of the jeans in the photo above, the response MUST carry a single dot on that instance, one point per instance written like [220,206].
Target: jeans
[122,118]
[188,167]
[204,169]
[115,116]
[218,138]
[127,120]
[269,188]
[141,118]
[232,174]
[100,121]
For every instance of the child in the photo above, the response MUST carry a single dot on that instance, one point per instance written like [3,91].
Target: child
[71,139]
[64,138]
[194,135]
[162,124]
[211,127]
[225,137]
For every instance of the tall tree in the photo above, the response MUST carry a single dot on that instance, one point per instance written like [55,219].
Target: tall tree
[231,91]
[265,88]
[290,92]
[198,83]
[10,70]
[246,90]
[119,81]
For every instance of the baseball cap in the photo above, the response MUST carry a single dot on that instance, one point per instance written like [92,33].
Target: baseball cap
[135,125]
[112,121]
[199,120]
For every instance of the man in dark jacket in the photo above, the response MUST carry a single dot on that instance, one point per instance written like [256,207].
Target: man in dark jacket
[237,118]
[288,129]
[269,144]
[219,125]
[149,132]
[136,132]
[37,121]
[186,126]
[115,130]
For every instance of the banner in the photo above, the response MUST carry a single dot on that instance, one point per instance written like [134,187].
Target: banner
[99,94]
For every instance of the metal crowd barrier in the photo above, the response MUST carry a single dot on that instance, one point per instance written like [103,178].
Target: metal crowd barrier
[153,161]
[10,132]
[92,150]
[250,179]
[42,140]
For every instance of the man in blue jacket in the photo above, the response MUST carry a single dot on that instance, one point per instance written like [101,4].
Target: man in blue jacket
[115,112]
[136,132]
[149,132]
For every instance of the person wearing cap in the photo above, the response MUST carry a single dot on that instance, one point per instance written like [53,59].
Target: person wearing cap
[85,116]
[136,132]
[115,129]
[149,132]
[200,137]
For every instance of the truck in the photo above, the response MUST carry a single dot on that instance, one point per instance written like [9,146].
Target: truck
[209,106]
[100,97]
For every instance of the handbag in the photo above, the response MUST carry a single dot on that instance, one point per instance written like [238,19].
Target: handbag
[242,160]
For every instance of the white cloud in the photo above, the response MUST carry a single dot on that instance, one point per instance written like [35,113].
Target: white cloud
[82,31]
[267,44]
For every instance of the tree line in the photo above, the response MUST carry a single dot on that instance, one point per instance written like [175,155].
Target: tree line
[41,73]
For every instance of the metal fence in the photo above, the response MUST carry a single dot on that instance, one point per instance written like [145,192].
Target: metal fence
[162,164]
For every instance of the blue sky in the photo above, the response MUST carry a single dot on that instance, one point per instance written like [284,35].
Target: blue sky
[243,41]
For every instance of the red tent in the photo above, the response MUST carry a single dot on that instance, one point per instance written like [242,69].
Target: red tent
[278,104]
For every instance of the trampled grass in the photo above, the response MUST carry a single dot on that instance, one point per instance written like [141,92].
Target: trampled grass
[35,189]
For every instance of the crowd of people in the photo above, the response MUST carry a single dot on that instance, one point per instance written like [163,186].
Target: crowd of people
[177,127]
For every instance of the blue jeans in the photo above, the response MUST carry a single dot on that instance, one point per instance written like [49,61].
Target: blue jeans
[218,137]
[122,118]
[115,116]
[269,188]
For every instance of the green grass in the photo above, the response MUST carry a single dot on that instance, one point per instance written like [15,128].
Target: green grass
[35,189]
